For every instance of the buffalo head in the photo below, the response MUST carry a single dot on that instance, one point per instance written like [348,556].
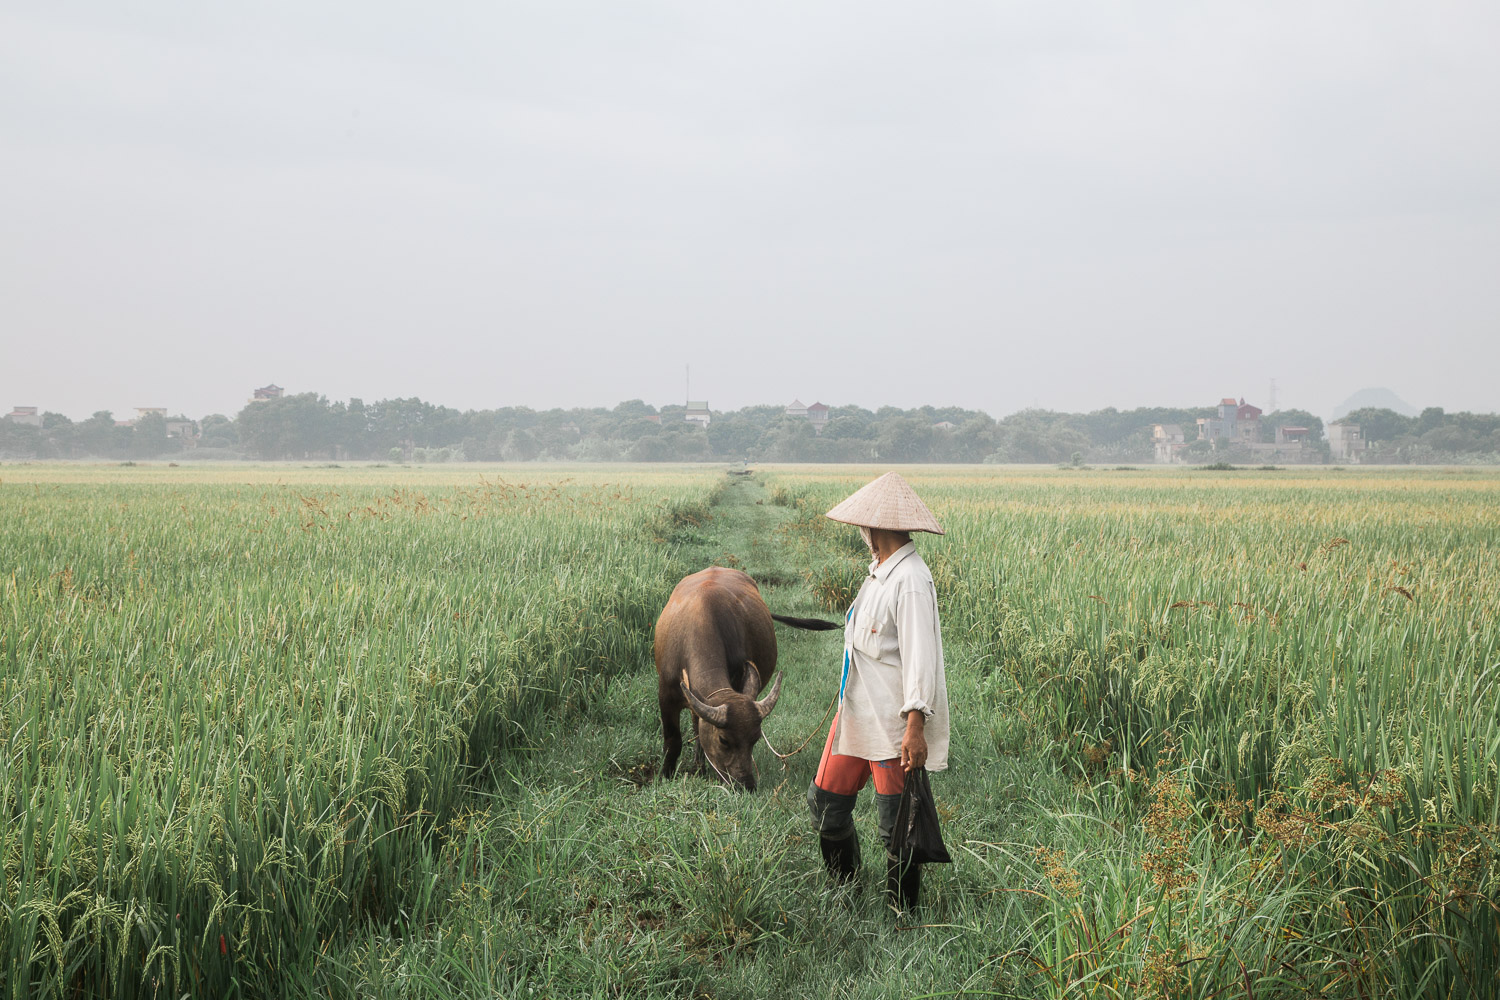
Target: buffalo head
[728,732]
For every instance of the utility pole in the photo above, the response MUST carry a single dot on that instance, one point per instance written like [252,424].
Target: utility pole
[687,382]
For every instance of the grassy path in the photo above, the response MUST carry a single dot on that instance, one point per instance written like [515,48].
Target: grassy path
[582,876]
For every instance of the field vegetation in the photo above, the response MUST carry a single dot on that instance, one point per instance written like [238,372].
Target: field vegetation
[384,732]
[1279,700]
[236,708]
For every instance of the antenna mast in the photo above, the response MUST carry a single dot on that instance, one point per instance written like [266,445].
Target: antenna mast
[1271,403]
[687,382]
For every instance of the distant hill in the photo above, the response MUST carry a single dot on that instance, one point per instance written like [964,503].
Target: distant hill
[1382,398]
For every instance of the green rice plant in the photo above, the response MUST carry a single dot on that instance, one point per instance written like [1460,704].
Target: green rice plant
[1320,655]
[235,713]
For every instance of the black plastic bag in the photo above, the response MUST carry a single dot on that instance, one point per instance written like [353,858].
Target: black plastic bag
[916,837]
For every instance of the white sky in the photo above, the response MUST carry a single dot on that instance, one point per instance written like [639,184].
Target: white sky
[562,204]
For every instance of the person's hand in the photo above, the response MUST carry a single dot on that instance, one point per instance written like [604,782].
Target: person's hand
[914,743]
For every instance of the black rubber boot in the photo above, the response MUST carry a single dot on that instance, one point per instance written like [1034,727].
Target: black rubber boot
[841,857]
[903,883]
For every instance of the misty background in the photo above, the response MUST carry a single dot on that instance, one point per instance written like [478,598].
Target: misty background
[561,205]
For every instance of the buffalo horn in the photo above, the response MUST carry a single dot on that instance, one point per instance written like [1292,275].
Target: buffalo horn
[717,714]
[767,703]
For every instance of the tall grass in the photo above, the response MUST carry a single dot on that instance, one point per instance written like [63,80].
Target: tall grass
[1293,685]
[233,718]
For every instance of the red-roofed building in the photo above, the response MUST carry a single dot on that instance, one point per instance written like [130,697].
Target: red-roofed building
[1237,426]
[25,415]
[1236,423]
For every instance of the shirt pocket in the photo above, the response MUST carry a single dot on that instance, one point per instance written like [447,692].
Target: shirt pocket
[869,636]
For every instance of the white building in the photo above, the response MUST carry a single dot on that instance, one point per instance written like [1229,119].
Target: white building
[1169,441]
[1345,442]
[25,415]
[697,412]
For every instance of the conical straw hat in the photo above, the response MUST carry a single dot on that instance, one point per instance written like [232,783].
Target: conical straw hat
[890,503]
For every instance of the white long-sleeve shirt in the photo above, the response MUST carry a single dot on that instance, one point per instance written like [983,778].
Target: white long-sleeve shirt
[893,663]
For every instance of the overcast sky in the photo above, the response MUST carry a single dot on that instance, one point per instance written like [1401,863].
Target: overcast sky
[1070,205]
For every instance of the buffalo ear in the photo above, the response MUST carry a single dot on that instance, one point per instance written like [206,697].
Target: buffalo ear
[753,682]
[767,703]
[717,714]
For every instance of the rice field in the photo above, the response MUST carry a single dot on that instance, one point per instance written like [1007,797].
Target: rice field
[234,706]
[1294,678]
[373,731]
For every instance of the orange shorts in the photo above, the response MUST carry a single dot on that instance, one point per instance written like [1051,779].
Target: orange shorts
[844,775]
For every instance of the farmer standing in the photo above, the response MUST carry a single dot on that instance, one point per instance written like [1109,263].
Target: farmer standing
[893,701]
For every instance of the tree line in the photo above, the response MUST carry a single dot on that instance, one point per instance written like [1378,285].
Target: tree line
[309,426]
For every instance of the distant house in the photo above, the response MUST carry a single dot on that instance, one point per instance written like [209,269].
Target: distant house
[1169,442]
[1292,435]
[272,391]
[816,414]
[1236,423]
[1345,442]
[697,412]
[180,428]
[944,425]
[25,415]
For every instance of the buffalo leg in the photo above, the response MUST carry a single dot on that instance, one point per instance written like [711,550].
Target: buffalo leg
[671,740]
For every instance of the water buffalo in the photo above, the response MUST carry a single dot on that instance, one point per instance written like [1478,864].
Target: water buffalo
[715,651]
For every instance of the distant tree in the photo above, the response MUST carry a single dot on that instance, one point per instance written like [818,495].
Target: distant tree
[1038,436]
[1291,418]
[149,438]
[97,436]
[632,409]
[903,439]
[299,426]
[1429,420]
[650,448]
[1452,439]
[790,439]
[731,436]
[352,429]
[975,438]
[217,431]
[57,438]
[398,422]
[635,428]
[1380,424]
[519,446]
[19,440]
[858,426]
[597,449]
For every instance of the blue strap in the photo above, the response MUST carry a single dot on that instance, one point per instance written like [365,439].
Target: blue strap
[844,678]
